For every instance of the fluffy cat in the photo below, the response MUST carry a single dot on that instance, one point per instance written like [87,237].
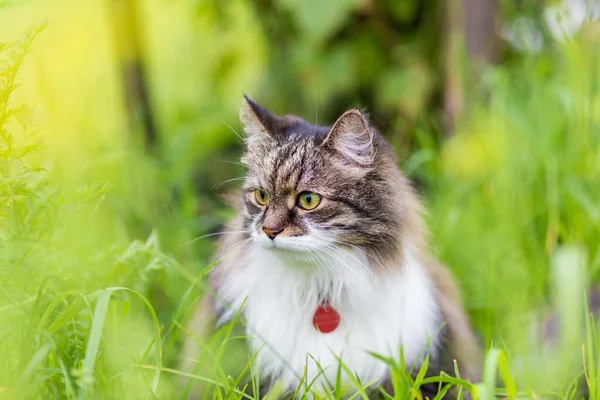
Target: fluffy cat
[329,254]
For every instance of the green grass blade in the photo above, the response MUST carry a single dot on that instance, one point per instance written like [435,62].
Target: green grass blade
[93,344]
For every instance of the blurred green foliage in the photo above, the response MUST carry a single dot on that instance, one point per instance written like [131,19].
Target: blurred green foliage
[384,56]
[91,226]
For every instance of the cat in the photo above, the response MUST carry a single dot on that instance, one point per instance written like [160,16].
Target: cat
[328,260]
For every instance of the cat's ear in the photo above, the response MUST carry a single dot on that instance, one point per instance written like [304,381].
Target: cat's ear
[352,137]
[258,123]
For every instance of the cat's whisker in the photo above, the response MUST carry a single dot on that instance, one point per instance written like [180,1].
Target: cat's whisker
[325,263]
[241,178]
[233,162]
[222,255]
[231,226]
[361,250]
[247,241]
[238,135]
[319,267]
[316,260]
[332,252]
[213,234]
[330,266]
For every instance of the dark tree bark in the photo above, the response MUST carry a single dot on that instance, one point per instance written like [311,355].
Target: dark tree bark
[133,77]
[481,31]
[471,30]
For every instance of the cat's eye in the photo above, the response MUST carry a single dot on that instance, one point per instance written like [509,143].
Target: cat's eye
[261,197]
[308,200]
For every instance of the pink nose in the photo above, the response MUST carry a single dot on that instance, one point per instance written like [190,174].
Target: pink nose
[271,232]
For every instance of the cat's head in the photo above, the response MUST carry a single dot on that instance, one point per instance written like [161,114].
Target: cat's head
[310,188]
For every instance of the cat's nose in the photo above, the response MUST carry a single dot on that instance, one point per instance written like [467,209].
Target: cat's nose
[271,232]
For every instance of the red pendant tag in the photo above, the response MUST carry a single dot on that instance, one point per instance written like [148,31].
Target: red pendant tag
[326,319]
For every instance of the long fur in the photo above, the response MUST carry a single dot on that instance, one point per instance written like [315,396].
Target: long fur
[363,250]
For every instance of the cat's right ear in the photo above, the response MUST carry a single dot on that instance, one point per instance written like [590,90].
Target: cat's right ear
[352,137]
[258,123]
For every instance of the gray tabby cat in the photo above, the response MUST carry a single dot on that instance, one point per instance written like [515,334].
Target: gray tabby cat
[329,253]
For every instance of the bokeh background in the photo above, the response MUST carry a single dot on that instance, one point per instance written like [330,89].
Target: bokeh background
[119,137]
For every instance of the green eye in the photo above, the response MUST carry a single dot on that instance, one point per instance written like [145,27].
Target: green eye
[308,200]
[261,197]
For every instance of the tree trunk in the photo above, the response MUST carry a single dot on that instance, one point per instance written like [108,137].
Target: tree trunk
[471,42]
[133,77]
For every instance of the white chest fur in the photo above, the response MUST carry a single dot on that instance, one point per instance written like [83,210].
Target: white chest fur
[379,313]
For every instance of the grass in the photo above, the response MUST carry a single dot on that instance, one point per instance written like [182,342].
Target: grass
[99,268]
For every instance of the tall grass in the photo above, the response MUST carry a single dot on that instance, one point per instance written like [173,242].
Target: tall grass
[515,209]
[99,268]
[66,332]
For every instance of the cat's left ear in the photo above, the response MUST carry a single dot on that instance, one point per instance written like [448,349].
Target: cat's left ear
[259,123]
[352,137]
